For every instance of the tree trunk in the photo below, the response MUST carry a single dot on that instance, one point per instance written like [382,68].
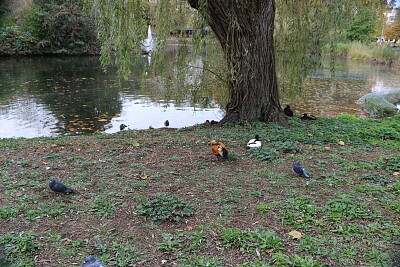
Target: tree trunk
[245,29]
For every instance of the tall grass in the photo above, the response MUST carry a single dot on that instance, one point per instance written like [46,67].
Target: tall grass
[368,52]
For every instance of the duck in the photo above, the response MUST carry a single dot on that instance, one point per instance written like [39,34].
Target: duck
[288,112]
[299,170]
[166,123]
[308,117]
[219,149]
[214,122]
[255,142]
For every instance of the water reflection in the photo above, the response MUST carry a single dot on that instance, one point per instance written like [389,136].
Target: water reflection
[67,96]
[49,96]
[329,94]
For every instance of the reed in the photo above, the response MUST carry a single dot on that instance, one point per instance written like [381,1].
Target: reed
[368,52]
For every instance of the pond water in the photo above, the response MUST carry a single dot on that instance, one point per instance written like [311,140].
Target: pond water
[51,96]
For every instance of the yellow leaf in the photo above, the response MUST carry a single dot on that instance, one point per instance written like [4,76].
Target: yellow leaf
[136,144]
[144,176]
[295,234]
[327,148]
[341,143]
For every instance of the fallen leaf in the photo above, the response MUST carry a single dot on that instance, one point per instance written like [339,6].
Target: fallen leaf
[295,234]
[144,176]
[327,148]
[310,134]
[396,173]
[269,250]
[149,162]
[189,228]
[136,144]
[341,143]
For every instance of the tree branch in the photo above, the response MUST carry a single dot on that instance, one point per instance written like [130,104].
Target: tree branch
[212,72]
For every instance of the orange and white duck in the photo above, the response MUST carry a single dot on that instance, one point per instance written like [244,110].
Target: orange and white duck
[219,149]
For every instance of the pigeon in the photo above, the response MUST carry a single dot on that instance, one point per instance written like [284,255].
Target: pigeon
[92,262]
[122,127]
[299,170]
[308,117]
[288,111]
[166,123]
[59,187]
[255,142]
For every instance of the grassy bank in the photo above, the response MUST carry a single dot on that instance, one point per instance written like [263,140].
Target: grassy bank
[369,52]
[159,197]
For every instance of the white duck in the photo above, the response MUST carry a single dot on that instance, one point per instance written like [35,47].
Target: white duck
[255,142]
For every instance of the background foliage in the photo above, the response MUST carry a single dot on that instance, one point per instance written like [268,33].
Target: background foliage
[42,27]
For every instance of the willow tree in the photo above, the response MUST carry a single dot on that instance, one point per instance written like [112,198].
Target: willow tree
[245,30]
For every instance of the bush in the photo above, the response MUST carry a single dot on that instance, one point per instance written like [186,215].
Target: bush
[68,30]
[163,207]
[16,41]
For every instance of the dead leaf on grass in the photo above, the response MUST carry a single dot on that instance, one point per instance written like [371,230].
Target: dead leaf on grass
[135,144]
[144,176]
[396,173]
[295,234]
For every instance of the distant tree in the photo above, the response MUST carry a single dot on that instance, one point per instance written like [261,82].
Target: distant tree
[393,32]
[363,26]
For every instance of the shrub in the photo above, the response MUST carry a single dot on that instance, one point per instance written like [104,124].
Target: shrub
[69,31]
[15,40]
[163,207]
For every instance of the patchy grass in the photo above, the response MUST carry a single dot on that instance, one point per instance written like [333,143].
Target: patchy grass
[159,197]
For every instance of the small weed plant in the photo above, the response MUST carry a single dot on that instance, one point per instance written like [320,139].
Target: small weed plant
[163,207]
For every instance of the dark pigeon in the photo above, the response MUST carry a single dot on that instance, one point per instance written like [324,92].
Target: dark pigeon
[166,123]
[288,111]
[92,262]
[299,170]
[122,127]
[308,117]
[59,187]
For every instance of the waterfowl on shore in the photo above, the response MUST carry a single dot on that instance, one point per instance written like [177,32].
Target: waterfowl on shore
[166,123]
[219,149]
[255,142]
[122,127]
[308,117]
[288,111]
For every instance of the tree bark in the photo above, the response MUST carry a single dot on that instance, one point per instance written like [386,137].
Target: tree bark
[245,30]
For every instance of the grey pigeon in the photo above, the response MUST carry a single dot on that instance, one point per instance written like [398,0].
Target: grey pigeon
[92,262]
[299,170]
[59,187]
